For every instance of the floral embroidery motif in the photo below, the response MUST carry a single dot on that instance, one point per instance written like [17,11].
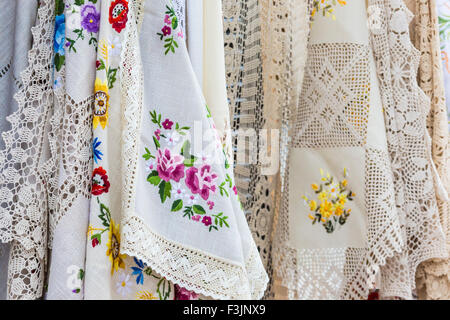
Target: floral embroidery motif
[141,270]
[101,104]
[167,169]
[329,208]
[113,246]
[82,17]
[80,276]
[184,294]
[327,7]
[123,286]
[112,46]
[59,39]
[145,295]
[118,14]
[170,28]
[95,150]
[100,183]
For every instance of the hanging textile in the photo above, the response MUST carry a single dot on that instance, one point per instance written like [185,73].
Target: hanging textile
[15,35]
[23,164]
[338,222]
[167,200]
[250,115]
[432,276]
[416,180]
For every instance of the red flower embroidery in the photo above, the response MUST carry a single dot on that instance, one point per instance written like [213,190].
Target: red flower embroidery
[118,12]
[99,187]
[95,242]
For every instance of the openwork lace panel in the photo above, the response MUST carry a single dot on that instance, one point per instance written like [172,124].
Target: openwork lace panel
[406,107]
[335,112]
[243,23]
[23,193]
[433,277]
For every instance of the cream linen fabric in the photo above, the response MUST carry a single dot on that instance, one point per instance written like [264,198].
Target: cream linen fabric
[338,144]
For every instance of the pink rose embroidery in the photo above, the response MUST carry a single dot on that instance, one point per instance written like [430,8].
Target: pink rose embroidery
[169,166]
[167,124]
[210,204]
[196,218]
[167,19]
[184,294]
[235,190]
[166,31]
[207,221]
[158,134]
[201,181]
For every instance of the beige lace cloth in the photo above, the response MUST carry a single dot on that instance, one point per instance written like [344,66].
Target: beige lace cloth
[250,112]
[433,277]
[416,181]
[24,166]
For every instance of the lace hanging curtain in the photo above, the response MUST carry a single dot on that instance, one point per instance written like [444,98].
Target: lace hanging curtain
[24,166]
[432,277]
[243,37]
[406,107]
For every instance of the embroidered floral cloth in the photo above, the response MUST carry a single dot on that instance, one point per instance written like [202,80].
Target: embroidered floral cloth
[338,222]
[163,190]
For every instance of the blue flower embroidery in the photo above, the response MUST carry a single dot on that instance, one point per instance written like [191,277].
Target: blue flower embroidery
[97,153]
[60,30]
[139,271]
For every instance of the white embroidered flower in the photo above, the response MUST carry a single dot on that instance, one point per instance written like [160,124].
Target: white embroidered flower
[74,21]
[57,83]
[192,199]
[178,191]
[114,46]
[172,138]
[150,165]
[123,286]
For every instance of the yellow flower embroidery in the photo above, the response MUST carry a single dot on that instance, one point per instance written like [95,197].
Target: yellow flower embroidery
[101,104]
[145,295]
[329,208]
[327,7]
[114,248]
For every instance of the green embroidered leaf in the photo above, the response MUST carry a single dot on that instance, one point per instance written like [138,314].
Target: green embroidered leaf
[97,236]
[105,214]
[79,2]
[189,162]
[81,274]
[59,61]
[174,23]
[111,74]
[177,205]
[198,209]
[188,212]
[59,7]
[148,155]
[208,112]
[189,159]
[157,145]
[211,227]
[153,178]
[164,190]
[186,148]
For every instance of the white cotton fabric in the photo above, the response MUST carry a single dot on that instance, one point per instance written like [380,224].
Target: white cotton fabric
[224,264]
[194,36]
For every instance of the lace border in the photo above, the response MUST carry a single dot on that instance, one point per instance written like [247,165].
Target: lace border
[190,268]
